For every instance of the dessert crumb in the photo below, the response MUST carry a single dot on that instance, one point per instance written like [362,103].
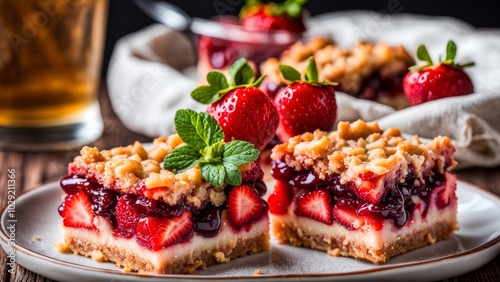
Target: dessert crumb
[97,256]
[257,272]
[127,269]
[37,238]
[335,252]
[430,239]
[221,257]
[63,247]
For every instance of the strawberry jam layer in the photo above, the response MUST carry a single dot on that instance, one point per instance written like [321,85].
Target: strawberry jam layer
[327,200]
[132,215]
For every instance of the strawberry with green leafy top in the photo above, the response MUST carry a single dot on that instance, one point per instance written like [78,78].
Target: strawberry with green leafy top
[306,104]
[243,111]
[426,81]
[219,161]
[272,16]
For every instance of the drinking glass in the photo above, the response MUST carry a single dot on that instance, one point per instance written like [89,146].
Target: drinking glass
[50,65]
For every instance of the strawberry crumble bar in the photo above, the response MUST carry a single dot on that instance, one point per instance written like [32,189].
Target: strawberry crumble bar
[124,205]
[363,192]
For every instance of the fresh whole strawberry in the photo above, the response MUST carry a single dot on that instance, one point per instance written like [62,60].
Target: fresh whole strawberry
[271,16]
[426,81]
[305,105]
[243,111]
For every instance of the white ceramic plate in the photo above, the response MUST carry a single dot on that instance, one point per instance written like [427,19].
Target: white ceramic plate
[477,242]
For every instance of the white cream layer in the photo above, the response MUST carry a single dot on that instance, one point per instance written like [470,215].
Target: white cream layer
[227,236]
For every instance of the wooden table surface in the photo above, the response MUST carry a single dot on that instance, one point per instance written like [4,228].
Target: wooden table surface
[34,169]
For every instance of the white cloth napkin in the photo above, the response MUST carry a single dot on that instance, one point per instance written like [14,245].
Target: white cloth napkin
[152,73]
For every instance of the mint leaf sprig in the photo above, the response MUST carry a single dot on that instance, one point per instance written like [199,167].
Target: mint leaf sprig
[205,146]
[240,75]
[426,60]
[310,77]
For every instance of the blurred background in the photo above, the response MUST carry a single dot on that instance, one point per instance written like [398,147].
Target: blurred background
[125,17]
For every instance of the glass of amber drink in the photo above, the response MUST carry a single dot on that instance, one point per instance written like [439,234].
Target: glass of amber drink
[50,66]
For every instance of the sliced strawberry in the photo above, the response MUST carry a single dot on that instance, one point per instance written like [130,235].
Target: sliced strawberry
[371,188]
[244,205]
[446,191]
[77,212]
[317,204]
[345,212]
[160,232]
[144,238]
[127,217]
[280,199]
[150,193]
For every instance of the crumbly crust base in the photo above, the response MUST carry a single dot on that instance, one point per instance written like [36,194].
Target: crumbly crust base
[200,258]
[291,232]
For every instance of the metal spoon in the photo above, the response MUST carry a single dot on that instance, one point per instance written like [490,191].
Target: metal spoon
[166,13]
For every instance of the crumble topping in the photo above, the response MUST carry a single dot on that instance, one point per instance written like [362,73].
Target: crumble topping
[348,66]
[134,169]
[358,148]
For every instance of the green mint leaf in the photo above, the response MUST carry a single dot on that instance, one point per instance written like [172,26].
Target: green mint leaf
[234,70]
[239,152]
[451,51]
[214,174]
[205,94]
[312,71]
[198,130]
[217,80]
[208,129]
[233,174]
[289,73]
[423,55]
[181,159]
[213,153]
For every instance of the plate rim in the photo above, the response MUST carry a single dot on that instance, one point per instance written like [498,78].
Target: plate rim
[48,186]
